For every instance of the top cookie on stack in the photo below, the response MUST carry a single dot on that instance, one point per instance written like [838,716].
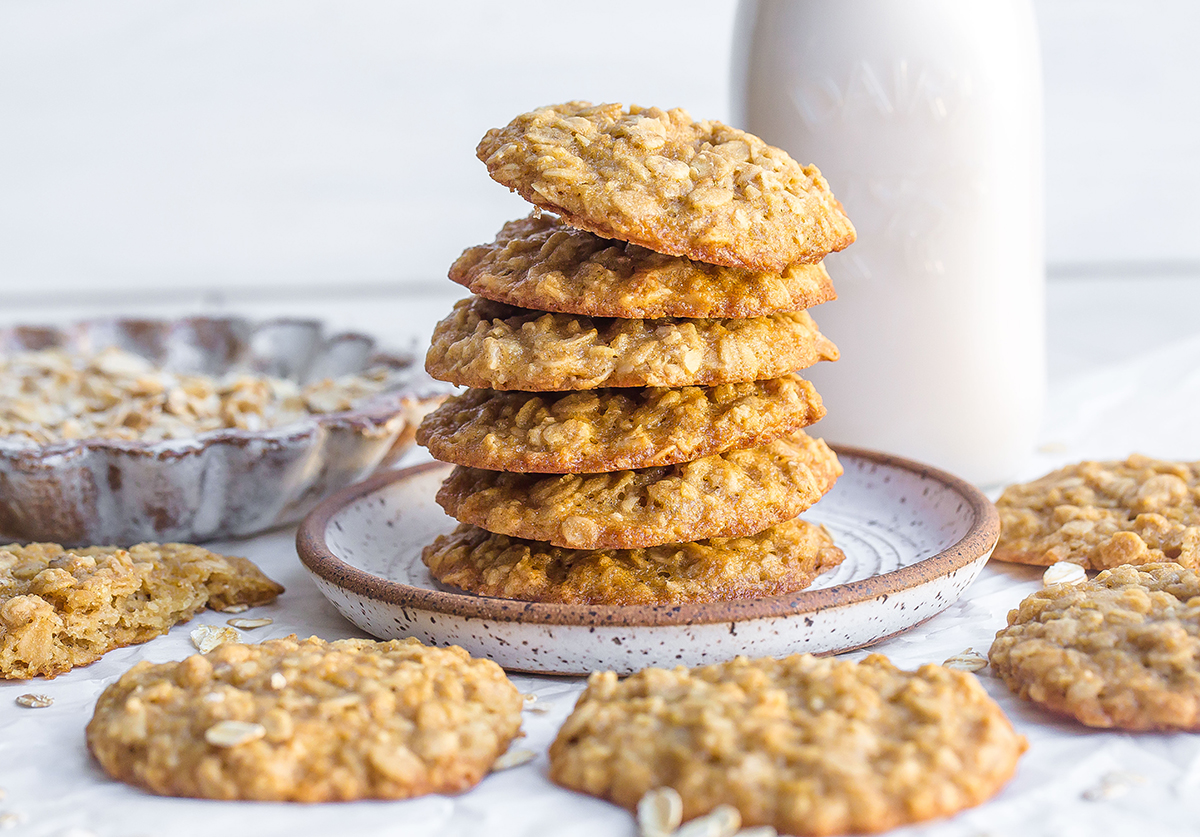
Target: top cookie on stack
[710,252]
[658,179]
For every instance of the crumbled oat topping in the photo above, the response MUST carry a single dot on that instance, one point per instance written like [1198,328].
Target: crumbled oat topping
[52,396]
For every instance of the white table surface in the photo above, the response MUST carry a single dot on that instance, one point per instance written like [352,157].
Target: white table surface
[1124,363]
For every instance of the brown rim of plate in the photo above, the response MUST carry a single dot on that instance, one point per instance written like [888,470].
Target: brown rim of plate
[977,542]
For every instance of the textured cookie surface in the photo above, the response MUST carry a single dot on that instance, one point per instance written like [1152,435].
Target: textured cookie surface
[784,558]
[1104,514]
[307,721]
[539,262]
[61,608]
[614,429]
[723,495]
[663,181]
[1121,650]
[491,345]
[811,746]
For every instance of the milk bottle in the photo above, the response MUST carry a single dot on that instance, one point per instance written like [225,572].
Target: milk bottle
[925,117]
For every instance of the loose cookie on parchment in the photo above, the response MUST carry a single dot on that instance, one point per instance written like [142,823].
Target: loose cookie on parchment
[590,431]
[811,746]
[663,181]
[1104,514]
[541,263]
[491,345]
[61,608]
[719,496]
[1121,650]
[781,559]
[307,721]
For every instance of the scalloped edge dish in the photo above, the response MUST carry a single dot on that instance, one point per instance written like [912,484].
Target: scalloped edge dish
[219,483]
[881,507]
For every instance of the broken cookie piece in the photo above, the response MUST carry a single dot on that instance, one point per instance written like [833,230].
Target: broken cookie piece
[61,608]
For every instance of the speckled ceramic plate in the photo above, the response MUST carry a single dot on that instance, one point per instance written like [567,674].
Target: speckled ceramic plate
[914,538]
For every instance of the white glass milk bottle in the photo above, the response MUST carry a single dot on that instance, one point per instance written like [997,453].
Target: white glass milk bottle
[925,117]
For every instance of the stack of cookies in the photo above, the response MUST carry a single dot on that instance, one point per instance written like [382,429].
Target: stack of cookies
[633,432]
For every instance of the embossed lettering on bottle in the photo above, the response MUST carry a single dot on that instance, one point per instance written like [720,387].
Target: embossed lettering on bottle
[924,115]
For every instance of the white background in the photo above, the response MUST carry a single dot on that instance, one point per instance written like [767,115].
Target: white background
[160,150]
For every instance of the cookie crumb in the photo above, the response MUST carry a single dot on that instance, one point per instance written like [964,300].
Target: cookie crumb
[1112,785]
[208,637]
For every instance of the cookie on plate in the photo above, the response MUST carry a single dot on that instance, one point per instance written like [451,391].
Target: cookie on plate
[809,745]
[1104,514]
[781,559]
[61,608]
[590,431]
[1121,650]
[540,262]
[307,721]
[491,345]
[719,496]
[661,180]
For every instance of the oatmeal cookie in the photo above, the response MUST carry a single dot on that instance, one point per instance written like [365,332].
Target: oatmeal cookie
[809,745]
[720,496]
[491,345]
[61,608]
[1121,650]
[539,262]
[781,559]
[614,429]
[307,721]
[1103,514]
[663,181]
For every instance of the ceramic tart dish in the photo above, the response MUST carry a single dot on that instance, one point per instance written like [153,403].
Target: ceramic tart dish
[227,482]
